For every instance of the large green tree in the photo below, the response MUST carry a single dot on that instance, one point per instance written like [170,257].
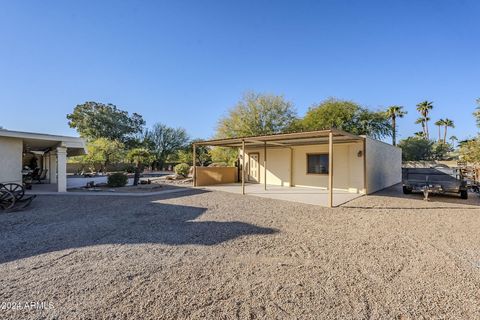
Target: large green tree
[95,120]
[185,155]
[165,141]
[470,151]
[416,149]
[441,151]
[420,149]
[257,114]
[348,116]
[393,113]
[101,153]
[221,155]
[202,154]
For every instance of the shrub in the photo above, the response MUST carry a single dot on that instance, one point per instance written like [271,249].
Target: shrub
[218,164]
[470,150]
[117,179]
[182,169]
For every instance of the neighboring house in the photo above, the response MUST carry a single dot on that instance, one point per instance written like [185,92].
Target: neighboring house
[357,164]
[47,152]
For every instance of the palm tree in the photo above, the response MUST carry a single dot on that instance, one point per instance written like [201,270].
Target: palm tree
[420,134]
[422,122]
[440,123]
[424,108]
[453,139]
[426,120]
[448,124]
[393,113]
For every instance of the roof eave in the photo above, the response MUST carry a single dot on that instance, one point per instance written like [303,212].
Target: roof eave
[231,142]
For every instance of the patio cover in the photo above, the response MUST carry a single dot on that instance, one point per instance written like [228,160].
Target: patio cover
[330,137]
[285,139]
[46,142]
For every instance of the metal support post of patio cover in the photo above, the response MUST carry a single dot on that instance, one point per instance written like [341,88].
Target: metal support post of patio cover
[265,165]
[243,167]
[194,174]
[291,167]
[330,169]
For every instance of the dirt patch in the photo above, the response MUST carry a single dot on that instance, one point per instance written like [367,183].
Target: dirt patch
[213,255]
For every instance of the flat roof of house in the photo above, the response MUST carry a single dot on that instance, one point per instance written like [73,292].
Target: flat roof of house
[41,141]
[285,139]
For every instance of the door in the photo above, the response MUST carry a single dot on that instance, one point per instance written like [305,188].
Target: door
[254,168]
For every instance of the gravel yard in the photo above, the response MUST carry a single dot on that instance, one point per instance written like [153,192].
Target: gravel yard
[219,255]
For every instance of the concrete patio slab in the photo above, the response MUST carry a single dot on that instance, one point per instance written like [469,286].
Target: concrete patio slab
[315,196]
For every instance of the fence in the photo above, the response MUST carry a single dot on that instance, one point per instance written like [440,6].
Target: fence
[206,176]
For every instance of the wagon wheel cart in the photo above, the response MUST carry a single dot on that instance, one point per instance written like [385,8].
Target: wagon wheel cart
[7,199]
[17,190]
[13,198]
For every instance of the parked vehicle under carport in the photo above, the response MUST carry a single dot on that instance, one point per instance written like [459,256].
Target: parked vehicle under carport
[438,180]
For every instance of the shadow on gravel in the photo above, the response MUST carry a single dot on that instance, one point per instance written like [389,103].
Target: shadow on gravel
[62,222]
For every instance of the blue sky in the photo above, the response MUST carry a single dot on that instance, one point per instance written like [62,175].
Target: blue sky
[185,63]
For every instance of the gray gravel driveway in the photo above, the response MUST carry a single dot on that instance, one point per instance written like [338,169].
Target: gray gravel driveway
[218,255]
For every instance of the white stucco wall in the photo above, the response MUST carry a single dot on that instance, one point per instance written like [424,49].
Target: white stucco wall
[11,160]
[52,166]
[347,166]
[383,164]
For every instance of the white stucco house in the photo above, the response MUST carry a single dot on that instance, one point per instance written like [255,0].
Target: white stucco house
[47,152]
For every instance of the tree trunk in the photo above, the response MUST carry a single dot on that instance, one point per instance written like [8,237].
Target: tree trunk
[136,177]
[160,164]
[394,130]
[426,129]
[439,134]
[445,135]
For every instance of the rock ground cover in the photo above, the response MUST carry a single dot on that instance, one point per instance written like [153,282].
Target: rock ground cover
[215,255]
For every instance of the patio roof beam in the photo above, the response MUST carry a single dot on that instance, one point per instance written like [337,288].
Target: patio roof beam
[284,143]
[263,142]
[277,144]
[287,145]
[282,137]
[345,134]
